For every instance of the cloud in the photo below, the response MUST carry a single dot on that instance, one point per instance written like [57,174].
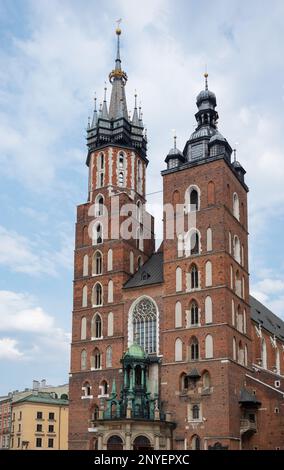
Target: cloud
[8,349]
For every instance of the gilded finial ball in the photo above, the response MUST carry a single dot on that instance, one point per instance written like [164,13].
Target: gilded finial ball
[206,75]
[118,31]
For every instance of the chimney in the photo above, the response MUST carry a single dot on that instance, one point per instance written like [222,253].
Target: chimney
[43,383]
[35,384]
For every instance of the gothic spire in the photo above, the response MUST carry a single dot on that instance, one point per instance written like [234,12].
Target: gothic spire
[95,114]
[104,108]
[135,118]
[118,79]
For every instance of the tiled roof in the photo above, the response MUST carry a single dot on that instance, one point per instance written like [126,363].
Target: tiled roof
[150,273]
[268,320]
[45,398]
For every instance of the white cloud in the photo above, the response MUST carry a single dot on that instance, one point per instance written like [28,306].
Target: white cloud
[8,349]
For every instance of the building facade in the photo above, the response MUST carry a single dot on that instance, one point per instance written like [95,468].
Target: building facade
[39,422]
[169,350]
[5,422]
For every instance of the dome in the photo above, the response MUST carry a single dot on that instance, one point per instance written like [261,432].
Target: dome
[135,351]
[217,137]
[206,95]
[175,151]
[205,131]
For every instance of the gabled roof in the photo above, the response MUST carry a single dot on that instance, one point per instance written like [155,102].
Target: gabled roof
[150,273]
[268,320]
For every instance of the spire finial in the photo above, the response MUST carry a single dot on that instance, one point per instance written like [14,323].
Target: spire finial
[95,102]
[235,155]
[135,97]
[206,79]
[175,138]
[105,90]
[118,30]
[118,33]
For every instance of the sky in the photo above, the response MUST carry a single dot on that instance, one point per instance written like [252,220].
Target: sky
[54,55]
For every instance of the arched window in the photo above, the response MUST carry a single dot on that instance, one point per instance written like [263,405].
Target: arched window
[85,296]
[96,326]
[231,277]
[97,263]
[206,380]
[178,315]
[194,314]
[192,243]
[194,278]
[241,353]
[195,442]
[99,206]
[110,292]
[101,170]
[178,279]
[238,284]
[97,295]
[211,193]
[142,443]
[234,349]
[240,320]
[110,324]
[83,328]
[263,354]
[96,359]
[84,359]
[178,350]
[131,262]
[114,443]
[85,265]
[87,389]
[144,323]
[195,412]
[209,239]
[194,349]
[208,310]
[236,206]
[103,387]
[237,249]
[208,347]
[109,260]
[139,214]
[193,198]
[109,356]
[208,274]
[121,170]
[97,234]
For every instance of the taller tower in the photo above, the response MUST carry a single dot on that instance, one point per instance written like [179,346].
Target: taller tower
[105,257]
[206,292]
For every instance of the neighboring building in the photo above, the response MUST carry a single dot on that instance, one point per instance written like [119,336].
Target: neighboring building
[39,422]
[169,350]
[60,391]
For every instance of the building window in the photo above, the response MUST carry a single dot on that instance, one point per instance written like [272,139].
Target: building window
[110,292]
[50,443]
[178,279]
[87,389]
[39,415]
[121,170]
[209,239]
[50,428]
[208,347]
[97,295]
[109,356]
[195,412]
[195,443]
[19,442]
[208,310]
[98,234]
[103,388]
[194,349]
[101,169]
[194,281]
[96,359]
[39,428]
[109,260]
[85,296]
[96,326]
[192,243]
[194,314]
[38,442]
[144,320]
[241,354]
[208,274]
[236,206]
[193,200]
[178,350]
[97,263]
[234,349]
[110,324]
[84,360]
[237,249]
[206,380]
[83,328]
[99,206]
[51,416]
[178,315]
[85,265]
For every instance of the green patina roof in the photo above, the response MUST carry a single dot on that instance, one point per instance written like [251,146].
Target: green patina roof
[135,351]
[43,398]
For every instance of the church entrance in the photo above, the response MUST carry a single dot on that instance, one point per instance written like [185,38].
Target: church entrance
[114,443]
[142,443]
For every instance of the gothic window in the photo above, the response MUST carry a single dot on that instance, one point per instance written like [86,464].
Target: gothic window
[121,170]
[144,321]
[84,359]
[192,243]
[101,169]
[195,443]
[263,354]
[139,212]
[178,315]
[246,355]
[208,347]
[109,356]
[194,349]
[85,296]
[96,326]
[96,359]
[98,234]
[195,412]
[192,199]
[97,263]
[237,249]
[238,284]
[208,309]
[109,260]
[83,328]
[178,350]
[231,277]
[194,316]
[87,389]
[209,239]
[178,279]
[85,265]
[110,324]
[110,292]
[99,206]
[240,320]
[208,274]
[206,380]
[236,206]
[194,281]
[233,313]
[97,295]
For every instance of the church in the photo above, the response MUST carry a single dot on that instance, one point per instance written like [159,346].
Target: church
[169,350]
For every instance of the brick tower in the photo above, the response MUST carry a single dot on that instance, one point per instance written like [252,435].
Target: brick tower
[104,256]
[206,285]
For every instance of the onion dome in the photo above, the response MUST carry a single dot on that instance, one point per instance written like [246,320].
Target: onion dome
[175,156]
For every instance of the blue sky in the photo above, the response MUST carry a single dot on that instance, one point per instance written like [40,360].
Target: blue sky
[54,55]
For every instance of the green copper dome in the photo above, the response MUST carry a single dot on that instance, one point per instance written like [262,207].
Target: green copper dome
[135,351]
